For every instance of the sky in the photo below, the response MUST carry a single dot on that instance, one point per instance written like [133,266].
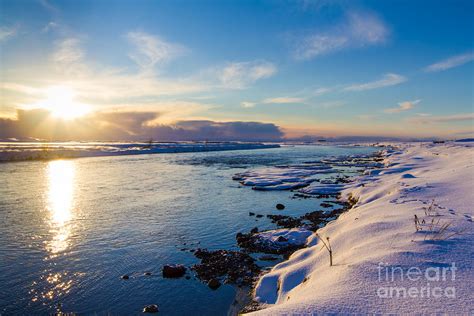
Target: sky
[183,70]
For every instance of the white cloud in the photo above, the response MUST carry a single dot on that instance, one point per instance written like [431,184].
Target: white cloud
[320,91]
[49,27]
[20,88]
[239,75]
[48,6]
[389,79]
[152,50]
[247,104]
[68,51]
[451,62]
[403,106]
[7,32]
[366,29]
[358,30]
[283,100]
[68,57]
[442,119]
[316,45]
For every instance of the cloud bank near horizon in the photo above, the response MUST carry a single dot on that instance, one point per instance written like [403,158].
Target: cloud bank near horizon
[130,126]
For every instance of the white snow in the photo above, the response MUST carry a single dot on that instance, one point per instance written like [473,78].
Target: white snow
[282,177]
[294,236]
[383,263]
[301,175]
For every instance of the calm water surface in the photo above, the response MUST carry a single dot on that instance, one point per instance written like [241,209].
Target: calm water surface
[70,228]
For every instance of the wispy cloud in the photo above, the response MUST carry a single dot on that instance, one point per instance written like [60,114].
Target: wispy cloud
[50,26]
[68,56]
[68,51]
[239,75]
[451,62]
[316,45]
[247,104]
[152,50]
[389,79]
[7,32]
[283,100]
[320,91]
[442,119]
[48,6]
[358,30]
[403,106]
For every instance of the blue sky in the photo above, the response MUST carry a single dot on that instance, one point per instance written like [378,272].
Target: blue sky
[398,68]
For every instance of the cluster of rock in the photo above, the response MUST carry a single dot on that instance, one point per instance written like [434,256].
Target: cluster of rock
[234,267]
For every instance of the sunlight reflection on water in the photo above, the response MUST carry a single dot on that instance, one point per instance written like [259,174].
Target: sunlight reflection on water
[61,174]
[60,177]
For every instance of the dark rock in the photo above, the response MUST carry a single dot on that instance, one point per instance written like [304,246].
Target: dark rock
[147,273]
[282,239]
[254,230]
[214,284]
[174,271]
[259,216]
[280,206]
[237,267]
[188,277]
[150,309]
[324,204]
[285,221]
[125,277]
[251,213]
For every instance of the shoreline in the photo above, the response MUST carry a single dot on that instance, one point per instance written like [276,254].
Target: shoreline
[78,150]
[244,301]
[380,228]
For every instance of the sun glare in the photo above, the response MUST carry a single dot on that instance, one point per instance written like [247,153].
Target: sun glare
[60,101]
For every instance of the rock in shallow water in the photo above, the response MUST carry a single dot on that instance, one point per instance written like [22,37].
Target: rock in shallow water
[214,284]
[280,206]
[125,277]
[174,271]
[236,267]
[153,308]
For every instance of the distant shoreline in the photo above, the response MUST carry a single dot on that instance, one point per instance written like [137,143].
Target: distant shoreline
[15,152]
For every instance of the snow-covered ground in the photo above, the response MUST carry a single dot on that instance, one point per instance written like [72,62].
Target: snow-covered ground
[17,151]
[283,238]
[385,261]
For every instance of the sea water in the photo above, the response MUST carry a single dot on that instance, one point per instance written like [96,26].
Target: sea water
[71,228]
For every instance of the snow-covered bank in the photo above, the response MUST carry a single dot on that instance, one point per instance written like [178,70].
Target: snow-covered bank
[46,151]
[385,260]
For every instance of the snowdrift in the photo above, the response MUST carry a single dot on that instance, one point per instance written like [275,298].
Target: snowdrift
[407,246]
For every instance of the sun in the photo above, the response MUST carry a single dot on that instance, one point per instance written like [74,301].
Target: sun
[60,102]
